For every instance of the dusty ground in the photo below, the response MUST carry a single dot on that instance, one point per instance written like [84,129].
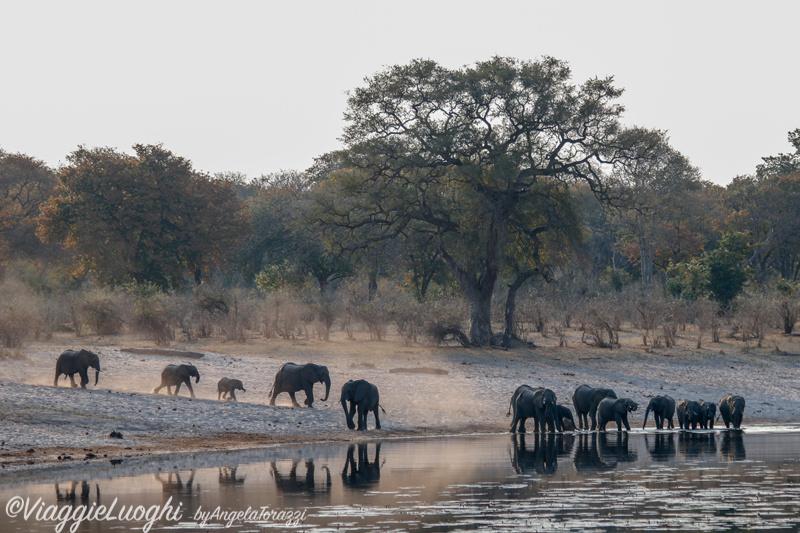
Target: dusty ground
[425,390]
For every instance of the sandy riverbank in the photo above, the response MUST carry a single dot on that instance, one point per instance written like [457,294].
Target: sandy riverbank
[425,390]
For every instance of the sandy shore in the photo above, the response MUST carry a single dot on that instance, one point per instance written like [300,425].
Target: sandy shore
[425,391]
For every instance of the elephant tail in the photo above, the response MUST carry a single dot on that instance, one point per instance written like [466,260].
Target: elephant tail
[382,409]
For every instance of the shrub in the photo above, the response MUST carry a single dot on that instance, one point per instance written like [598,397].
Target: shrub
[708,319]
[446,321]
[152,313]
[103,311]
[16,323]
[598,327]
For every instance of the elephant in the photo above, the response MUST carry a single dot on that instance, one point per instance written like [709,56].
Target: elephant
[292,378]
[362,473]
[539,404]
[177,375]
[615,410]
[708,411]
[585,399]
[77,361]
[363,396]
[564,417]
[309,483]
[663,408]
[229,387]
[732,410]
[689,413]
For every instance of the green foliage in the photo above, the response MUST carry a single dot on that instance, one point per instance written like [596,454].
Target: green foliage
[275,277]
[726,278]
[616,278]
[688,279]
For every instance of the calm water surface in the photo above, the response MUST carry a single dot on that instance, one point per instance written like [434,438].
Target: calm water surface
[645,481]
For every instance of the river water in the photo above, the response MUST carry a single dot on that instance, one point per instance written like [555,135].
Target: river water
[646,481]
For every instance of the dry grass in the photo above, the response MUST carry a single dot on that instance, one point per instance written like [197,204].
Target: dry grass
[6,353]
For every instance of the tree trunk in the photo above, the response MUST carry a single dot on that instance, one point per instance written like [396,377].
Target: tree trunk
[480,316]
[372,290]
[511,305]
[646,252]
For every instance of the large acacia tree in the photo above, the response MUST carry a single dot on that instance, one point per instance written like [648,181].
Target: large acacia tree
[461,154]
[148,217]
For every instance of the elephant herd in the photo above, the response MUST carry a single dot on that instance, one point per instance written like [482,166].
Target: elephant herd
[603,406]
[362,396]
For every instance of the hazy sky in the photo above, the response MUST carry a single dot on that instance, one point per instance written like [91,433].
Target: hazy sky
[256,87]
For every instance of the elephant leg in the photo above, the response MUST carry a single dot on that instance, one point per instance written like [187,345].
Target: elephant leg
[514,422]
[670,424]
[294,400]
[625,420]
[593,416]
[362,418]
[220,395]
[275,392]
[58,375]
[189,386]
[84,378]
[351,414]
[522,424]
[72,380]
[232,395]
[177,388]
[377,419]
[309,390]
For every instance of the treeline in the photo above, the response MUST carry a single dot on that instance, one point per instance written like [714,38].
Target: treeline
[496,194]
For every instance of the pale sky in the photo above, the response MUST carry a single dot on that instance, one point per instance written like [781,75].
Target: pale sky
[259,86]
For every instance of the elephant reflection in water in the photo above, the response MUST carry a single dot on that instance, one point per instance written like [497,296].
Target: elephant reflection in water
[663,448]
[227,476]
[543,458]
[732,446]
[292,483]
[185,492]
[362,473]
[70,494]
[174,485]
[692,445]
[601,451]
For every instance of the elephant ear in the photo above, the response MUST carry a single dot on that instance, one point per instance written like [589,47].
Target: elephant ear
[310,373]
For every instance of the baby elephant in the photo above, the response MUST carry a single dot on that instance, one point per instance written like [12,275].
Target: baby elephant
[708,410]
[229,386]
[364,398]
[565,418]
[689,413]
[615,410]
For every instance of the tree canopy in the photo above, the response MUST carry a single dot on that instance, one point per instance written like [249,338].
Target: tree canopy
[147,217]
[469,156]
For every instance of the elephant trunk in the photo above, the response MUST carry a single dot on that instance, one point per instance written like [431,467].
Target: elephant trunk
[647,412]
[327,381]
[96,377]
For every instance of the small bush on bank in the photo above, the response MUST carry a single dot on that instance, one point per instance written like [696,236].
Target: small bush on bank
[103,311]
[153,314]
